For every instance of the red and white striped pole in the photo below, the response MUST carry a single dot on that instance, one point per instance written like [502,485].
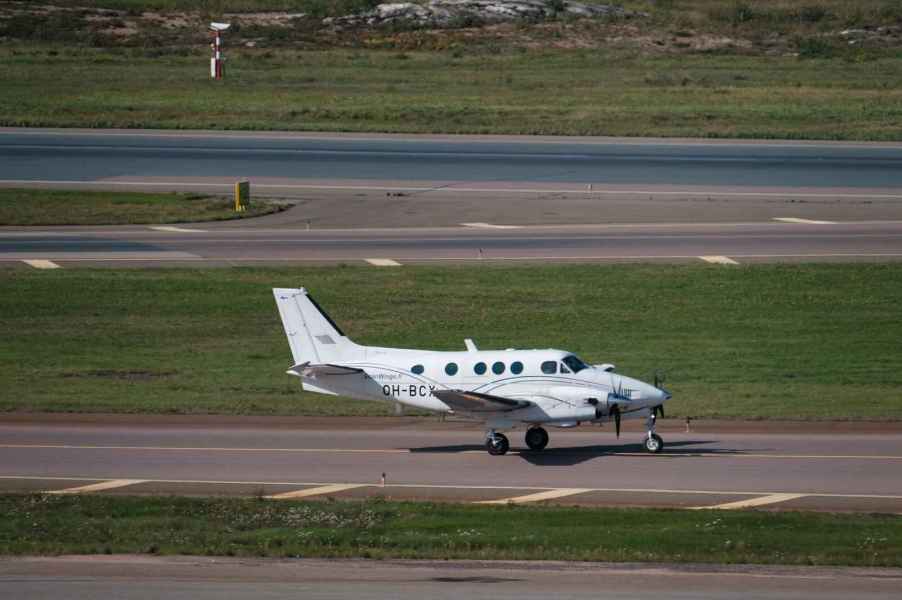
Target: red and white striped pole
[216,66]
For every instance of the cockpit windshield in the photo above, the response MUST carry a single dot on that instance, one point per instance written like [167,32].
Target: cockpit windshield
[575,364]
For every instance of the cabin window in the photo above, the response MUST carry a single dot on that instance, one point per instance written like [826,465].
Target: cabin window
[498,368]
[549,367]
[516,367]
[451,368]
[417,369]
[575,364]
[479,368]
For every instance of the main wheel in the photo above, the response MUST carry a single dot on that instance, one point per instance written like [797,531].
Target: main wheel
[497,445]
[536,438]
[654,443]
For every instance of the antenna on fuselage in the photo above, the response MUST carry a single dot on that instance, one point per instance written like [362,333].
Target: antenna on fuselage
[471,346]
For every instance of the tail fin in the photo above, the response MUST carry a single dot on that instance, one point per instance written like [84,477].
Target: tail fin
[312,335]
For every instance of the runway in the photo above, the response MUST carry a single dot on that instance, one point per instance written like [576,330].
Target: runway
[428,460]
[92,155]
[199,578]
[441,199]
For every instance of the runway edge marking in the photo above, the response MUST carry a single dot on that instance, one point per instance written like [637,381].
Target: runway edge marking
[41,263]
[803,221]
[538,496]
[719,260]
[172,229]
[382,262]
[97,487]
[317,491]
[752,502]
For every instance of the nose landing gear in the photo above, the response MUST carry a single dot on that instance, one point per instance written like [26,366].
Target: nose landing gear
[653,442]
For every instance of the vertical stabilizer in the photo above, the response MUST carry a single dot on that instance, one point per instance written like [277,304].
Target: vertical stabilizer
[312,335]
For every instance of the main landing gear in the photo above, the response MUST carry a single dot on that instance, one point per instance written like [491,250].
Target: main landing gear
[496,443]
[653,442]
[536,438]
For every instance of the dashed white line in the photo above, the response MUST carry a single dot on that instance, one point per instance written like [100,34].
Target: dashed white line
[455,487]
[480,225]
[40,263]
[803,221]
[173,229]
[97,487]
[538,496]
[317,491]
[752,502]
[719,260]
[382,262]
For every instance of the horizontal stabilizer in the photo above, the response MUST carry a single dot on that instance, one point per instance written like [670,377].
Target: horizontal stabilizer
[308,370]
[473,402]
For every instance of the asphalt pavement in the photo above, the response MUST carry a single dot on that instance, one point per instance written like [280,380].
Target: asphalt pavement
[202,578]
[425,459]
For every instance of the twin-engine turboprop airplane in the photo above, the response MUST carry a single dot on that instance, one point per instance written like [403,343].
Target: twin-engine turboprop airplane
[505,389]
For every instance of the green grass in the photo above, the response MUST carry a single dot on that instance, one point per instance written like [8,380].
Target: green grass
[70,207]
[767,341]
[570,92]
[252,527]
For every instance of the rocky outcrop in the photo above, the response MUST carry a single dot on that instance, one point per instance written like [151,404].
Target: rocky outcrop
[451,13]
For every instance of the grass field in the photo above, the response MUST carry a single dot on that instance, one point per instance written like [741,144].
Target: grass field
[231,527]
[768,341]
[571,92]
[67,207]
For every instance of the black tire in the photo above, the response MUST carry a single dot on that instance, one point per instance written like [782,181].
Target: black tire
[536,438]
[497,446]
[653,444]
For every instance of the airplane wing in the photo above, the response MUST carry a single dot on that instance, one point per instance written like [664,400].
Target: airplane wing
[474,402]
[308,370]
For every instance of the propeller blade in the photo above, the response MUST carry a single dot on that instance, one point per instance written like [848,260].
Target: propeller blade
[615,411]
[660,378]
[659,409]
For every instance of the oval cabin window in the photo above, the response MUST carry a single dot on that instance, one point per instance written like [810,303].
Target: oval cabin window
[451,368]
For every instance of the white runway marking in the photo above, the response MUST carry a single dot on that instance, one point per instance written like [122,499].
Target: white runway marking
[719,260]
[490,226]
[317,491]
[382,262]
[538,496]
[752,502]
[804,221]
[40,263]
[458,487]
[173,229]
[97,487]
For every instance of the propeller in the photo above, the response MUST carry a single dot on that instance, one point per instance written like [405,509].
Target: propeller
[660,378]
[615,412]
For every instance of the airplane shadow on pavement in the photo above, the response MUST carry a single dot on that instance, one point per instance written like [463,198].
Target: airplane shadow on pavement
[572,455]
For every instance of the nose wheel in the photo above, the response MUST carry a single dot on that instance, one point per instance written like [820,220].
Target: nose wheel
[653,442]
[497,444]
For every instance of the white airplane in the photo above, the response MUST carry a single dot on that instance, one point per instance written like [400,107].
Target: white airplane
[504,388]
